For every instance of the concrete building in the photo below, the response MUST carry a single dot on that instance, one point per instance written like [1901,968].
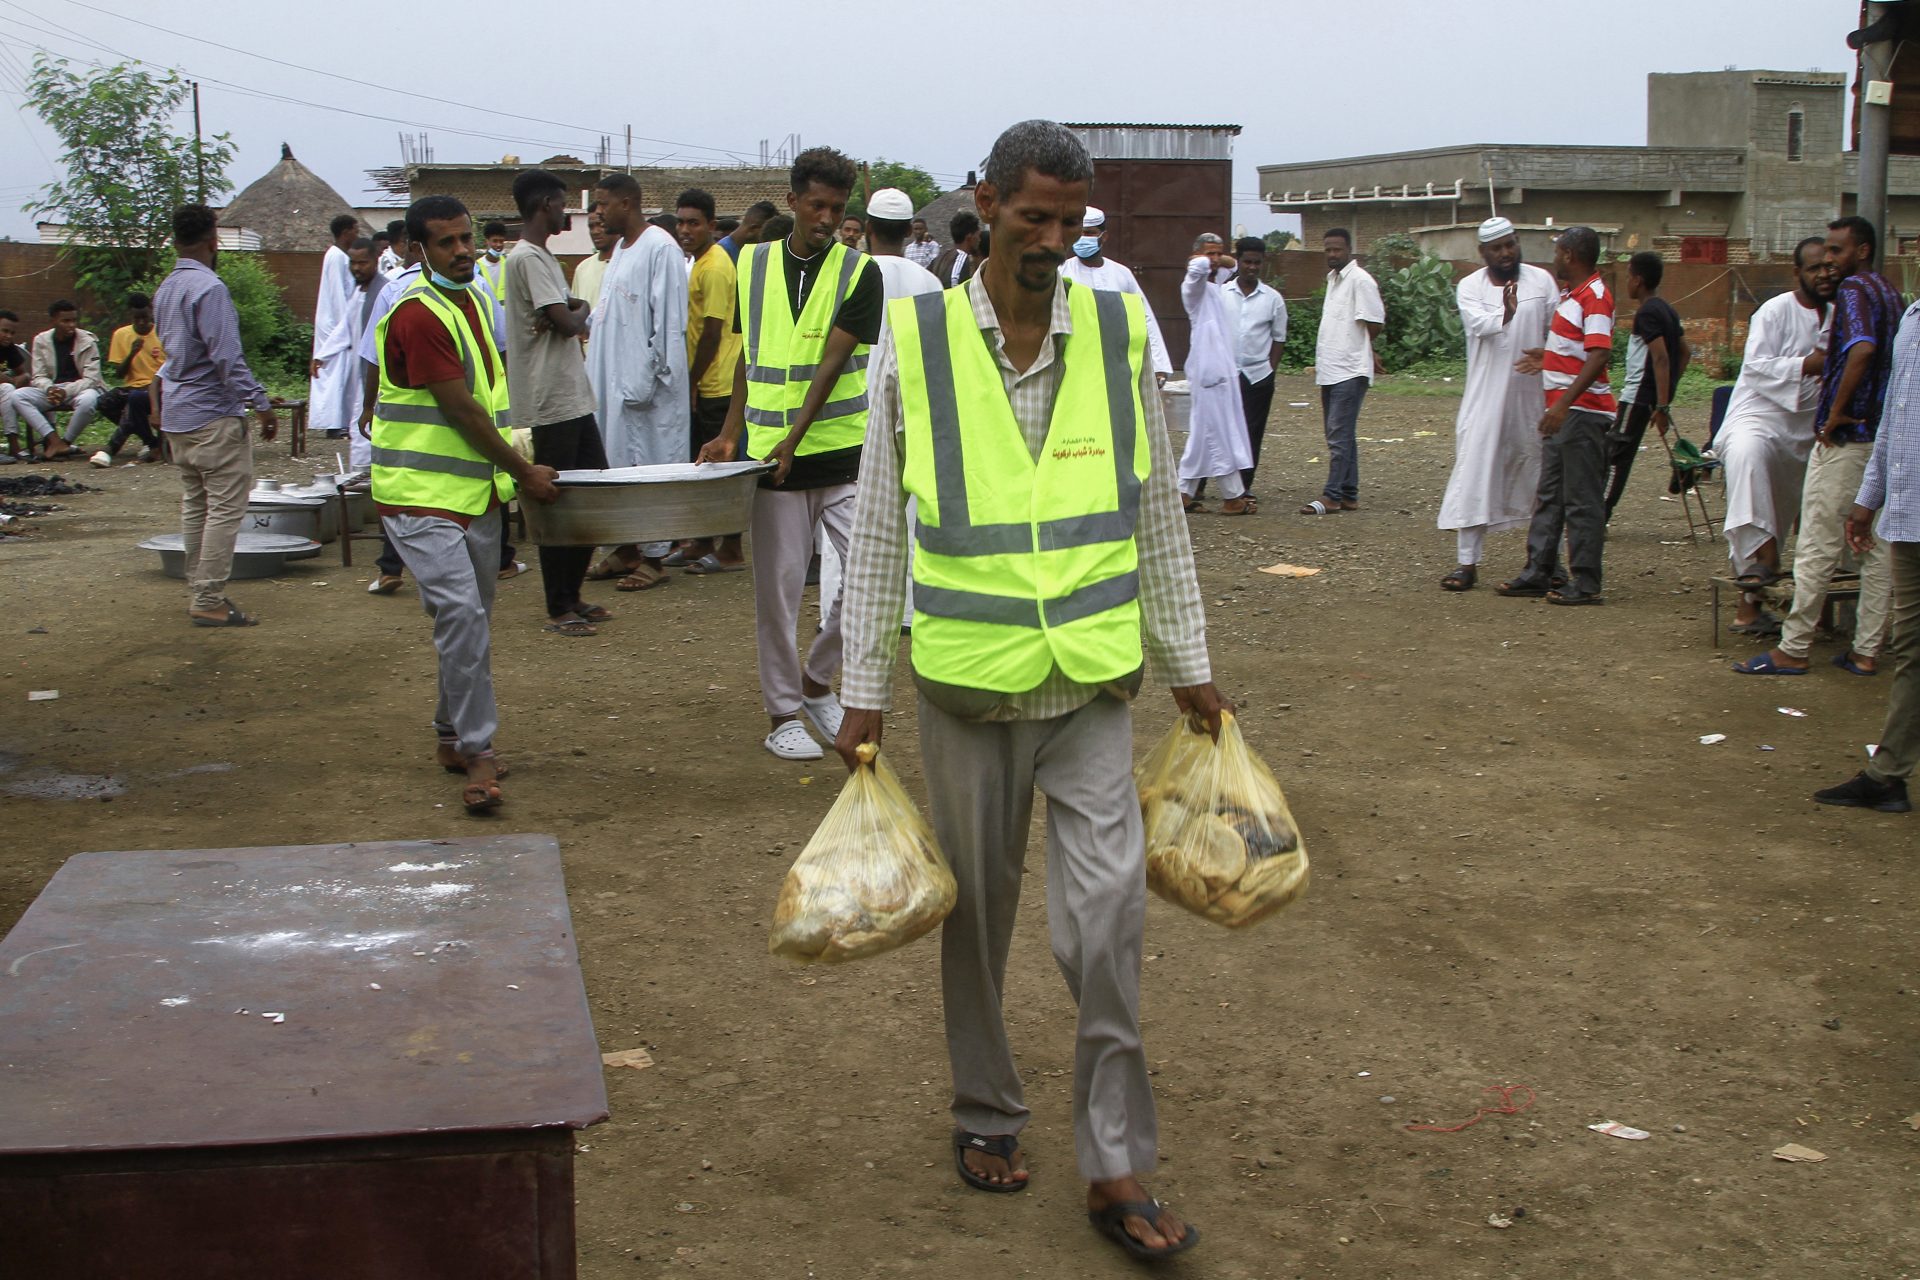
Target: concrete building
[1737,167]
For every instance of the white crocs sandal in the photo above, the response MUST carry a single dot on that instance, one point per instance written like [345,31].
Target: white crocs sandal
[826,713]
[791,741]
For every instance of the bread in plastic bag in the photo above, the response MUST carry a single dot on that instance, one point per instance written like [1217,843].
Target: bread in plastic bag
[872,878]
[1220,839]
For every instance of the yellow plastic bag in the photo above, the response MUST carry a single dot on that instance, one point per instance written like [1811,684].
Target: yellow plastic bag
[1220,840]
[871,879]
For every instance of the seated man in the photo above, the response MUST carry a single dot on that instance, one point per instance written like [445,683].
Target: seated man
[15,372]
[135,355]
[66,375]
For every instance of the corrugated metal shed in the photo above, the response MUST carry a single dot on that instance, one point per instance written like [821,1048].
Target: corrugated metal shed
[1158,141]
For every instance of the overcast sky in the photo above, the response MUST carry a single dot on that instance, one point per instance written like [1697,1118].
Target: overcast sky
[930,85]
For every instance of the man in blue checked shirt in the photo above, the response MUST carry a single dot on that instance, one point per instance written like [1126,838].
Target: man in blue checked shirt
[1891,488]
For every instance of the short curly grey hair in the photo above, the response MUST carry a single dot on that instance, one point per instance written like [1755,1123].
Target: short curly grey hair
[1039,146]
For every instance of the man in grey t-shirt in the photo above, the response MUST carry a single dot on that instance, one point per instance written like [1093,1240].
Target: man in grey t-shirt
[547,381]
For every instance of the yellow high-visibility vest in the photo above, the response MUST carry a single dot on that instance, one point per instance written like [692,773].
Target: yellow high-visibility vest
[419,458]
[782,353]
[1022,566]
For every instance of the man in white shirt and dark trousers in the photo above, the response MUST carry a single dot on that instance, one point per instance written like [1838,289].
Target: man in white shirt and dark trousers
[1260,330]
[1350,319]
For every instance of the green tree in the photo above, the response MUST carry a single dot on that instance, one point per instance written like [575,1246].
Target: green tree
[126,168]
[917,183]
[1278,240]
[1423,315]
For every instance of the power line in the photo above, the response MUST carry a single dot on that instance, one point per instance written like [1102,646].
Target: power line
[733,154]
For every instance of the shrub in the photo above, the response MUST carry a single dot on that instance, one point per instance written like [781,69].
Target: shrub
[277,345]
[1423,317]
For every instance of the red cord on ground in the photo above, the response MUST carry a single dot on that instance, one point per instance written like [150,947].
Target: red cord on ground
[1507,1107]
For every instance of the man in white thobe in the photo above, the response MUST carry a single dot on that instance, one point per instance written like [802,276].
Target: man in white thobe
[1091,267]
[1765,439]
[342,346]
[1505,308]
[637,361]
[329,410]
[1217,446]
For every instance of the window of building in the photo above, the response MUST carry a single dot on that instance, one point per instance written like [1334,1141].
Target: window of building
[1796,133]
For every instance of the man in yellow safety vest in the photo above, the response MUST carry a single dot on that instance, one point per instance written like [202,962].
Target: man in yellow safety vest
[1020,412]
[443,469]
[810,308]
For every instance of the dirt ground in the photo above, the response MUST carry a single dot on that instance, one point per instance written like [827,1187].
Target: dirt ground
[1527,870]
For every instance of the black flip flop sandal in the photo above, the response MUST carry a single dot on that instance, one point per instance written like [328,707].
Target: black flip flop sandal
[1524,590]
[1575,597]
[1003,1145]
[234,618]
[1111,1222]
[1461,579]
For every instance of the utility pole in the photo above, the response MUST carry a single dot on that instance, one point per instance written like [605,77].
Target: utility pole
[1876,124]
[199,160]
[629,148]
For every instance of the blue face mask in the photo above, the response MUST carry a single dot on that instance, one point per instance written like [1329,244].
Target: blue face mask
[1086,246]
[445,283]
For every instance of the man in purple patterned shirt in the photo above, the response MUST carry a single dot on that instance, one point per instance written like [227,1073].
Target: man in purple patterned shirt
[1866,314]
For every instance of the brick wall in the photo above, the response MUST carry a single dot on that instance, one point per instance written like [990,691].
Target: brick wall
[32,275]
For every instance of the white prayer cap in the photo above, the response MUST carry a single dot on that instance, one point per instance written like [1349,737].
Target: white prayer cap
[1495,228]
[1095,219]
[892,204]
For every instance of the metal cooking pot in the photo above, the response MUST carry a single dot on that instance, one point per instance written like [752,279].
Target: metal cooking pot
[646,504]
[299,517]
[255,555]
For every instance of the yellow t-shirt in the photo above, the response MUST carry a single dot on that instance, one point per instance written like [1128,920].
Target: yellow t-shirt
[146,362]
[713,295]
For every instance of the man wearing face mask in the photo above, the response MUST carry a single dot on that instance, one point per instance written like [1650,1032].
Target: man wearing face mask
[1217,446]
[1091,267]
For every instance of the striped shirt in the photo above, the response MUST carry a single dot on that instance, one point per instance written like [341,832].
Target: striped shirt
[1582,322]
[1891,485]
[875,587]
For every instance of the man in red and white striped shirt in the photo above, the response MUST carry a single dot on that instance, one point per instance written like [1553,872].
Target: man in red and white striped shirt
[1580,408]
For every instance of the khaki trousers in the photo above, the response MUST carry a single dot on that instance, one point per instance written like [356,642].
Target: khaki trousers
[216,475]
[980,783]
[1899,751]
[1833,482]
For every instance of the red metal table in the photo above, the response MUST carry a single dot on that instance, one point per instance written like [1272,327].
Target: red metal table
[331,1060]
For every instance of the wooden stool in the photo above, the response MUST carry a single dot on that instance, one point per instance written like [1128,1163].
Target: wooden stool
[359,1060]
[1839,590]
[296,425]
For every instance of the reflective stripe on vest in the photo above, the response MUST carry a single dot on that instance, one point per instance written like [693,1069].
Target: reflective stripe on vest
[419,458]
[781,364]
[1032,565]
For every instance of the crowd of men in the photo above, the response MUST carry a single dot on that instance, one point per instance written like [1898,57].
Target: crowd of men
[60,371]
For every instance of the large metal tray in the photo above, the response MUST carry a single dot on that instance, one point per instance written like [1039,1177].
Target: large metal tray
[646,504]
[255,555]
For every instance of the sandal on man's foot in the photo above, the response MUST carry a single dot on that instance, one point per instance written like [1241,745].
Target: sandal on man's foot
[1845,662]
[712,563]
[593,613]
[1764,665]
[1004,1146]
[1191,505]
[1236,507]
[1759,578]
[643,578]
[233,618]
[1765,624]
[1520,587]
[1575,597]
[481,797]
[1111,1222]
[1461,579]
[572,627]
[1320,507]
[609,569]
[499,765]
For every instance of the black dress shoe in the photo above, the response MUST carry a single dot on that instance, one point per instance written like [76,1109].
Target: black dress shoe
[1864,792]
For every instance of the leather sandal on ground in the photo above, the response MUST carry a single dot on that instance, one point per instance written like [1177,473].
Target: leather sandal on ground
[234,618]
[643,578]
[481,797]
[593,613]
[1191,505]
[1520,587]
[712,563]
[1005,1146]
[576,627]
[1321,507]
[1461,579]
[499,767]
[1111,1222]
[1236,507]
[608,569]
[1575,597]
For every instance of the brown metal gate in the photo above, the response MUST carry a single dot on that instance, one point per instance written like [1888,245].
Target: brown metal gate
[1154,210]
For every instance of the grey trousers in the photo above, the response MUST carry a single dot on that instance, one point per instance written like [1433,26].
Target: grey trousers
[457,570]
[31,405]
[785,525]
[1899,751]
[1572,499]
[980,782]
[216,475]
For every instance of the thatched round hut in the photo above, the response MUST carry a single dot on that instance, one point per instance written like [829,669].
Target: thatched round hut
[289,206]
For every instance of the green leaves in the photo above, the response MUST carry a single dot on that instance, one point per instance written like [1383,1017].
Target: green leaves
[1423,318]
[126,168]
